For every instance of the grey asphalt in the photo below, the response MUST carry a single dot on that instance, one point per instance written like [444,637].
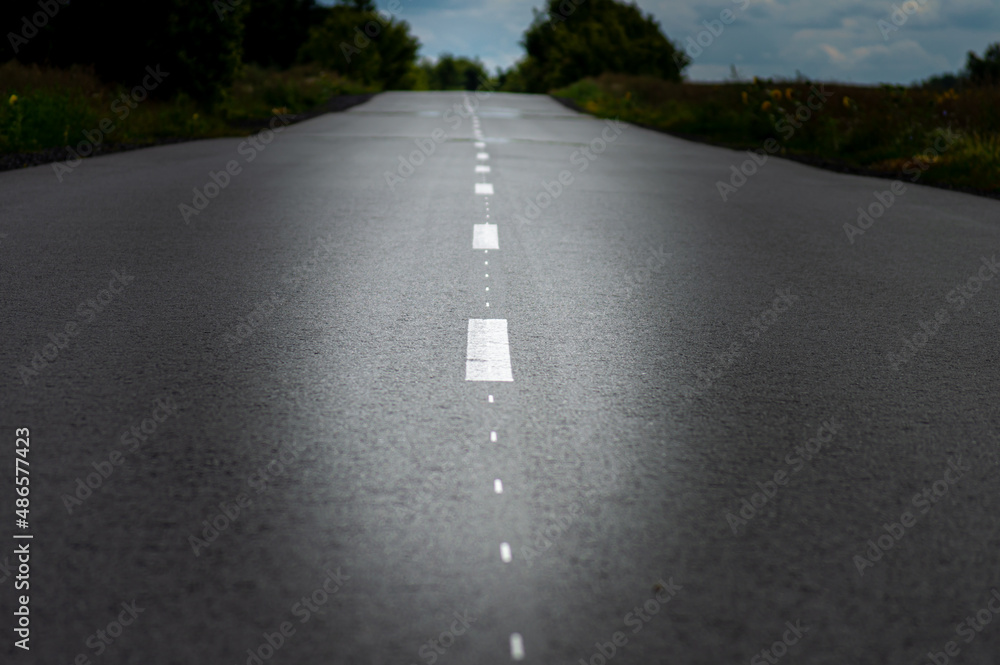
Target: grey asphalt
[672,354]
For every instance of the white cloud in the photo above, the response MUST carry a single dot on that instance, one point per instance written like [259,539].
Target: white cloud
[830,40]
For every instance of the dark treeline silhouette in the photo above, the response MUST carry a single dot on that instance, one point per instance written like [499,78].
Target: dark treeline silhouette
[569,41]
[453,73]
[978,72]
[203,43]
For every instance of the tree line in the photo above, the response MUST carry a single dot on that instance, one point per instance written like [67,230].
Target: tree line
[203,43]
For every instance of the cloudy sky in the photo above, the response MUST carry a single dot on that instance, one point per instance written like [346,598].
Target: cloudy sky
[824,39]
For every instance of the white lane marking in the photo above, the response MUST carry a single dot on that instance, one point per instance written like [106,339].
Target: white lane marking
[493,437]
[516,646]
[487,356]
[480,144]
[505,552]
[484,188]
[489,398]
[484,236]
[487,288]
[482,156]
[498,486]
[482,168]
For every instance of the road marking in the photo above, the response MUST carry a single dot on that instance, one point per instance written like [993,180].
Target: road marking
[516,646]
[505,552]
[484,188]
[480,144]
[482,168]
[489,399]
[482,156]
[484,236]
[498,486]
[493,437]
[487,356]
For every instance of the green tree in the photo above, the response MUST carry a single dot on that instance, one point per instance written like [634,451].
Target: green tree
[364,45]
[197,43]
[985,70]
[570,41]
[454,73]
[276,29]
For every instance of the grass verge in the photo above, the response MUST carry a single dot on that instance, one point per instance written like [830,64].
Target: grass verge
[886,131]
[44,110]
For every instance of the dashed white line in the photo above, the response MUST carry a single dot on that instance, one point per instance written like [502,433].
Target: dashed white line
[484,188]
[482,168]
[505,552]
[480,144]
[489,398]
[482,156]
[498,486]
[484,236]
[516,646]
[487,355]
[493,437]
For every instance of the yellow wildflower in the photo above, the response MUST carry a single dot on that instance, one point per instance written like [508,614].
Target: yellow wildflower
[776,95]
[746,99]
[194,117]
[628,96]
[788,94]
[12,100]
[847,102]
[766,106]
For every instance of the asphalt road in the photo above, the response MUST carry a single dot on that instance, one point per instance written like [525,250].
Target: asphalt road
[260,437]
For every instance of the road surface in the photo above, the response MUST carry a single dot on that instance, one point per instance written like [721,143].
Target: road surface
[285,404]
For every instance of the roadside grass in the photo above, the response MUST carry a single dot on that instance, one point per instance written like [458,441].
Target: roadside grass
[43,107]
[880,129]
